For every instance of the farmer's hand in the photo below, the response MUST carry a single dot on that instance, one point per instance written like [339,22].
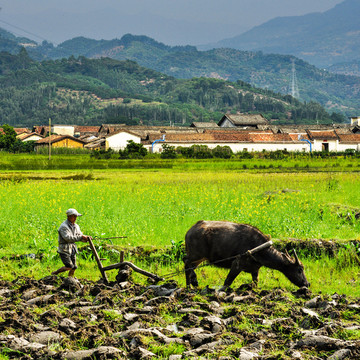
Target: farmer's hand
[86,238]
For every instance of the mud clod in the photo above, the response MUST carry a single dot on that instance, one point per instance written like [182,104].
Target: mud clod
[62,318]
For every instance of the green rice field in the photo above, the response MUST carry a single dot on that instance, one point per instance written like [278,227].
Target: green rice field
[154,208]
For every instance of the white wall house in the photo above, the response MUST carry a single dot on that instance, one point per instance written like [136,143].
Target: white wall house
[237,140]
[349,142]
[327,140]
[119,140]
[29,137]
[355,120]
[63,130]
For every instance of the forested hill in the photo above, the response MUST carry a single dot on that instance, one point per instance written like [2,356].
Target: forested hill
[270,71]
[95,91]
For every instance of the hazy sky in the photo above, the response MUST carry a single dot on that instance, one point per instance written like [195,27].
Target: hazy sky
[173,22]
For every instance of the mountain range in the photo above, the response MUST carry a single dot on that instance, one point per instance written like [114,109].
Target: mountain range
[322,39]
[282,73]
[269,71]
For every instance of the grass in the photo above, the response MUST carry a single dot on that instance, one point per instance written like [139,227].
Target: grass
[155,208]
[80,159]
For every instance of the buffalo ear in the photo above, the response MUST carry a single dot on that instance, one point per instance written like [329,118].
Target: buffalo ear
[297,261]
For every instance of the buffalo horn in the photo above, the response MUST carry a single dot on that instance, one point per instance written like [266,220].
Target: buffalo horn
[287,255]
[296,257]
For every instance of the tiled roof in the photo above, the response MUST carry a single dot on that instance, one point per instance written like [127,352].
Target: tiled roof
[269,137]
[123,130]
[208,137]
[95,144]
[204,124]
[25,136]
[246,119]
[22,130]
[322,135]
[299,136]
[349,138]
[228,136]
[86,129]
[56,138]
[88,138]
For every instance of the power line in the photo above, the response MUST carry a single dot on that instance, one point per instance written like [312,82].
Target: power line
[28,32]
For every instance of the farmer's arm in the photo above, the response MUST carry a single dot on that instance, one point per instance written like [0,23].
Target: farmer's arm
[69,237]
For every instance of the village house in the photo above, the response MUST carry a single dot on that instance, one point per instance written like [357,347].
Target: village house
[29,137]
[243,121]
[208,125]
[98,144]
[119,140]
[20,131]
[355,120]
[60,141]
[82,130]
[107,129]
[41,129]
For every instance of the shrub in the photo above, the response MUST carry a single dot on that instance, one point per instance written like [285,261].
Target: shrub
[133,150]
[102,154]
[202,152]
[168,152]
[245,155]
[187,152]
[223,152]
[23,147]
[7,138]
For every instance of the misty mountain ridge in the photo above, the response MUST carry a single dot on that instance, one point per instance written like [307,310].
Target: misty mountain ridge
[322,39]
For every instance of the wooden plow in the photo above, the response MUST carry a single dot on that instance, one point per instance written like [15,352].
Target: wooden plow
[118,265]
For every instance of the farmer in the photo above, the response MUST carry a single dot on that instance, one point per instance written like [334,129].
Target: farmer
[69,233]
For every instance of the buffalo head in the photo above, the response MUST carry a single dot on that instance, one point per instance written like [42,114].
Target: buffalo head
[295,271]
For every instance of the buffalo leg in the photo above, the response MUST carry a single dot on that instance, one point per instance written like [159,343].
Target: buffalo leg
[255,276]
[234,272]
[190,274]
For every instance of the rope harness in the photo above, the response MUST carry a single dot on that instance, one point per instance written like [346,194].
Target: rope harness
[247,253]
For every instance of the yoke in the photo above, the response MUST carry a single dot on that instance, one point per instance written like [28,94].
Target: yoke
[254,250]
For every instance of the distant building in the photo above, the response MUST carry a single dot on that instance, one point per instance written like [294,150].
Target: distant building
[81,130]
[106,129]
[355,120]
[119,140]
[29,137]
[244,121]
[57,141]
[63,130]
[327,140]
[210,124]
[20,131]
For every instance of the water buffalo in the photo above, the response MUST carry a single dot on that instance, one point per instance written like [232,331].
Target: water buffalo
[220,241]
